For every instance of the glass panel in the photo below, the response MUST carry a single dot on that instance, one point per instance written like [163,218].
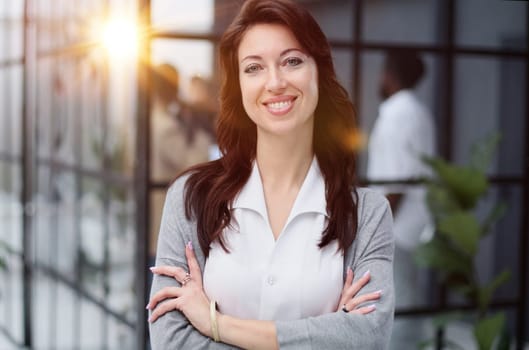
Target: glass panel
[157,203]
[93,326]
[67,229]
[14,283]
[183,16]
[489,96]
[122,249]
[461,333]
[10,109]
[42,310]
[11,30]
[335,18]
[404,21]
[57,92]
[491,23]
[93,115]
[65,321]
[48,133]
[343,64]
[120,336]
[45,218]
[10,208]
[500,251]
[121,118]
[408,332]
[92,248]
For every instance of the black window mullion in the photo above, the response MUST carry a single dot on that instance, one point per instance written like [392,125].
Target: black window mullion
[523,308]
[142,178]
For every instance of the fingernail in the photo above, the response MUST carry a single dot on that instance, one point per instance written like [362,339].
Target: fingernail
[349,270]
[379,292]
[189,245]
[147,307]
[152,268]
[367,273]
[373,306]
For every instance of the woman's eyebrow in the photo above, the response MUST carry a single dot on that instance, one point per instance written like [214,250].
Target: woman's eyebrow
[283,53]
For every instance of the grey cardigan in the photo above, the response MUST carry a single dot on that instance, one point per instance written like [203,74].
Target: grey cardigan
[372,250]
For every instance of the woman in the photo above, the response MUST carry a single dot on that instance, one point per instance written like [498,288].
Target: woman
[274,232]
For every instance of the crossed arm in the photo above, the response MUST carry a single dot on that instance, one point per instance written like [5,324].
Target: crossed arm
[191,300]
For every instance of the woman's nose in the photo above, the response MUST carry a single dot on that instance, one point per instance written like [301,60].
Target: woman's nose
[275,80]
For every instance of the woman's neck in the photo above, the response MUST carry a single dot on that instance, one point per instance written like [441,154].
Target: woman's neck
[284,161]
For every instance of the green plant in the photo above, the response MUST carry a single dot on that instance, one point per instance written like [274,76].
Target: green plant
[453,193]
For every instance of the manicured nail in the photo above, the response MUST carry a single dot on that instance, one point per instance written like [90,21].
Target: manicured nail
[152,268]
[372,306]
[349,270]
[147,307]
[189,245]
[379,292]
[367,273]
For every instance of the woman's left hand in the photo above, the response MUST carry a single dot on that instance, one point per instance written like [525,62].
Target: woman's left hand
[190,298]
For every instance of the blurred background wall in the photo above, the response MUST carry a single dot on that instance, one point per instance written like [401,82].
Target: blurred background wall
[78,195]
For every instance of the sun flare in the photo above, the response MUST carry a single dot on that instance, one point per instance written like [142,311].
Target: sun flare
[120,38]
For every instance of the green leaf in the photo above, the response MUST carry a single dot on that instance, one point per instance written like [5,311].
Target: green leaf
[466,184]
[438,254]
[463,229]
[488,329]
[440,201]
[495,213]
[485,293]
[504,342]
[482,151]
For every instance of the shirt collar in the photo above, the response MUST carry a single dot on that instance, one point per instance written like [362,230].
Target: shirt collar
[310,199]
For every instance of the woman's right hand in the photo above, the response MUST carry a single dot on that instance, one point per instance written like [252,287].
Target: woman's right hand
[350,301]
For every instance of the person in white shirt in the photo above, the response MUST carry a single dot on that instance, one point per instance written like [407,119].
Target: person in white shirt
[272,245]
[403,132]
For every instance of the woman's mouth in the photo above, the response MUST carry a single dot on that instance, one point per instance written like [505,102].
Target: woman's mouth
[280,106]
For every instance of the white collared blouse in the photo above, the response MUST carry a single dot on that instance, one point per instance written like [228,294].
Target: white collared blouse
[285,279]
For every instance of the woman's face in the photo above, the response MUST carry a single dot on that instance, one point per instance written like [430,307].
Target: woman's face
[279,80]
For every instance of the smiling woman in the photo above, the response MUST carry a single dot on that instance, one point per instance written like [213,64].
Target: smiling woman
[273,245]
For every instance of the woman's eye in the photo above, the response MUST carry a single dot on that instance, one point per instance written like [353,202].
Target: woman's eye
[252,68]
[293,61]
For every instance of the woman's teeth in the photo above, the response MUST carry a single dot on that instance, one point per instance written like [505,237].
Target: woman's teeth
[280,105]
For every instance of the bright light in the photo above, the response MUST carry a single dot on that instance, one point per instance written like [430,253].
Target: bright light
[120,37]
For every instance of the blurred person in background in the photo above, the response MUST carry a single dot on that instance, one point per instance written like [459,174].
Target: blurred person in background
[178,139]
[203,102]
[402,133]
[273,245]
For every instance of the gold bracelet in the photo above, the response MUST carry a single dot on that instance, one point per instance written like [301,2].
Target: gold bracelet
[213,318]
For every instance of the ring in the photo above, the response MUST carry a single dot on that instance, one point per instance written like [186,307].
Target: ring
[344,309]
[187,278]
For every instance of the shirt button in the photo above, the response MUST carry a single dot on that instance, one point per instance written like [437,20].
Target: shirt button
[271,280]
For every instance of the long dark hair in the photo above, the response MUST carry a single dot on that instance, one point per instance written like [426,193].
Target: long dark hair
[212,187]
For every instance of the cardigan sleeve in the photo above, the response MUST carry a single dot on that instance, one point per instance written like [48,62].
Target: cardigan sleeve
[372,251]
[173,330]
